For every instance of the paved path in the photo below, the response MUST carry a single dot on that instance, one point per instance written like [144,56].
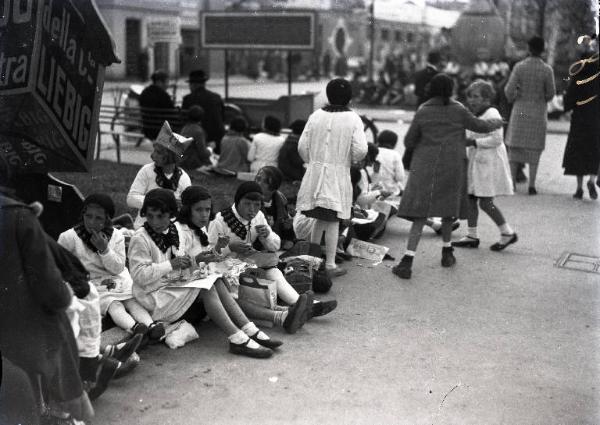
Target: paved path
[502,338]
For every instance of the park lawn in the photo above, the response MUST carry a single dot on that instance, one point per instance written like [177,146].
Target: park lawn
[115,179]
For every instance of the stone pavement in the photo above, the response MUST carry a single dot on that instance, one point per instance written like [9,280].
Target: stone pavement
[501,338]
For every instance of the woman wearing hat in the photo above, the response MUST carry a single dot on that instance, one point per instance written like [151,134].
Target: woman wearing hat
[101,250]
[331,141]
[163,172]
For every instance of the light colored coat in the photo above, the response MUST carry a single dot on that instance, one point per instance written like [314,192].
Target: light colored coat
[102,266]
[529,88]
[150,269]
[330,143]
[264,150]
[488,173]
[144,182]
[391,171]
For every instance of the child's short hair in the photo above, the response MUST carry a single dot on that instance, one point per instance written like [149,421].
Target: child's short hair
[272,124]
[387,139]
[297,126]
[160,199]
[485,88]
[238,124]
[195,113]
[273,175]
[190,196]
[248,190]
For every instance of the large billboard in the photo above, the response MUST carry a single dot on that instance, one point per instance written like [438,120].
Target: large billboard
[258,30]
[51,79]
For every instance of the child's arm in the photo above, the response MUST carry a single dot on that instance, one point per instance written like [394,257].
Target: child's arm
[218,228]
[271,242]
[511,90]
[399,172]
[304,142]
[113,259]
[144,271]
[135,197]
[358,150]
[252,152]
[493,139]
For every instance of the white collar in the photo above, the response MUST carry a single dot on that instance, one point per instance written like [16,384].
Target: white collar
[239,217]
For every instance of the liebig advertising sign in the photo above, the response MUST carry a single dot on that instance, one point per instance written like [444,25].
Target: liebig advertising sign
[51,79]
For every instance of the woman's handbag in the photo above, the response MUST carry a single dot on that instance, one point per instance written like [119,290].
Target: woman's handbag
[256,289]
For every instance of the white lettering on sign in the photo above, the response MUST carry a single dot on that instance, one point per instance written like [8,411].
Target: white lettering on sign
[13,69]
[19,15]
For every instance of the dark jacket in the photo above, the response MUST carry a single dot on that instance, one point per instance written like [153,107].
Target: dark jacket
[422,78]
[290,163]
[582,152]
[212,122]
[35,332]
[197,153]
[437,180]
[155,97]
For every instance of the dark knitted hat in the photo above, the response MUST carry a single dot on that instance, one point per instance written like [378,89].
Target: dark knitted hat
[193,194]
[101,200]
[339,91]
[246,188]
[162,199]
[387,139]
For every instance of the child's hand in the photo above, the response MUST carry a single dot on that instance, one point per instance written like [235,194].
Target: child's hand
[262,230]
[471,142]
[222,242]
[206,257]
[181,262]
[109,283]
[385,193]
[99,240]
[241,248]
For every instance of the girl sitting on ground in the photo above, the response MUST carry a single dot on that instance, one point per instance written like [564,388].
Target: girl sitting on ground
[488,173]
[275,205]
[248,232]
[265,146]
[162,172]
[234,149]
[101,250]
[161,250]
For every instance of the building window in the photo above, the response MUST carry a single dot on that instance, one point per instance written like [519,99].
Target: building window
[410,37]
[385,34]
[398,36]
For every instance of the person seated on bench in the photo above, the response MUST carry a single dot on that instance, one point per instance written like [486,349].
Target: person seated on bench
[248,232]
[290,163]
[275,205]
[265,146]
[101,249]
[234,149]
[197,153]
[160,251]
[162,172]
[194,216]
[155,104]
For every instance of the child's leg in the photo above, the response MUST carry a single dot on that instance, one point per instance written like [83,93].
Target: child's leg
[532,174]
[234,311]
[216,312]
[116,311]
[414,237]
[472,212]
[488,206]
[447,230]
[285,291]
[139,313]
[257,312]
[331,235]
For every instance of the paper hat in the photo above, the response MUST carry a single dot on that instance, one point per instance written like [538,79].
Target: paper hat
[172,141]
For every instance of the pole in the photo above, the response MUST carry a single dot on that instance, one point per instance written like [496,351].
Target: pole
[289,67]
[226,75]
[371,37]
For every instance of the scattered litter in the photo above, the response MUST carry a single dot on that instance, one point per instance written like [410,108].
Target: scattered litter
[273,379]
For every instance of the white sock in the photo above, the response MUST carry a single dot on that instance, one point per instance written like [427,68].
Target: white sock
[505,229]
[472,232]
[436,225]
[238,338]
[410,253]
[250,328]
[447,244]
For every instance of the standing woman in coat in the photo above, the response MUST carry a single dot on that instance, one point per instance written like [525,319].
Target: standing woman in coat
[437,179]
[331,141]
[529,88]
[582,153]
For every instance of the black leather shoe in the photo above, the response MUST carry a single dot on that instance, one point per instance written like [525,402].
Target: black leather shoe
[243,350]
[532,191]
[269,343]
[592,190]
[403,268]
[466,242]
[578,194]
[108,368]
[297,315]
[127,366]
[448,259]
[499,246]
[321,308]
[123,353]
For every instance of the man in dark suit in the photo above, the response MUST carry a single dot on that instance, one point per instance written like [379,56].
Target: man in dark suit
[213,106]
[154,97]
[424,76]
